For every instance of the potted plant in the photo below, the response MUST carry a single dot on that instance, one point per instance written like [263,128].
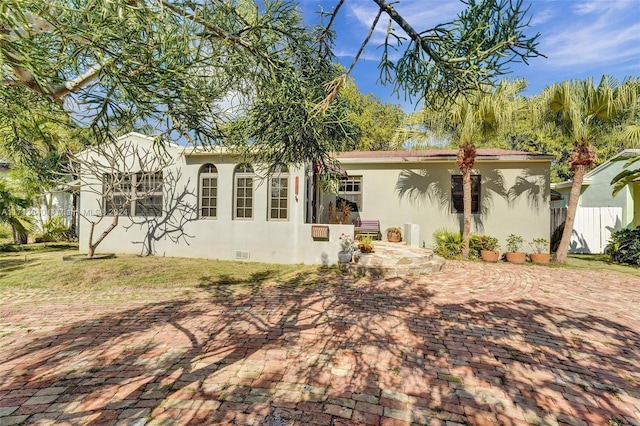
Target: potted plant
[489,248]
[348,247]
[365,245]
[394,235]
[514,244]
[540,248]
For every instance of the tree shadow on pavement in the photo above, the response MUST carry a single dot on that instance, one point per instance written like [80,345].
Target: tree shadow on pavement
[329,349]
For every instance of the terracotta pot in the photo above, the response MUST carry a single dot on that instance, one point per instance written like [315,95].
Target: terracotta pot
[490,255]
[516,257]
[365,249]
[394,237]
[540,257]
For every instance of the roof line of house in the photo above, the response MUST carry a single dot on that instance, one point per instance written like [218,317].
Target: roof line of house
[416,156]
[626,153]
[445,158]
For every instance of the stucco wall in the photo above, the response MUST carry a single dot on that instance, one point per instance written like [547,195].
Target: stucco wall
[179,231]
[513,200]
[417,193]
[599,192]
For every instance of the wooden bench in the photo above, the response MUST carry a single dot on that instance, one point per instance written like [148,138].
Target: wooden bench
[367,227]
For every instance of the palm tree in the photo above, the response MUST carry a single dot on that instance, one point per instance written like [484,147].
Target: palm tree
[470,120]
[587,114]
[12,213]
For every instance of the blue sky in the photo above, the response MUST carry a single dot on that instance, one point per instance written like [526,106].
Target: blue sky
[581,38]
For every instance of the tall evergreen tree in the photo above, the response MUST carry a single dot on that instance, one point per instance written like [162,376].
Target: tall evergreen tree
[186,70]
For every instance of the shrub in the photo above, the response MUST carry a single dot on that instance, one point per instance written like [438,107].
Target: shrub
[447,244]
[5,232]
[487,242]
[54,229]
[539,245]
[514,243]
[624,246]
[475,245]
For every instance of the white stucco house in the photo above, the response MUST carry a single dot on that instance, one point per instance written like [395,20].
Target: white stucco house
[207,203]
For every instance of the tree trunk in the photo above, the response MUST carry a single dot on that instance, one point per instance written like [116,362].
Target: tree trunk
[465,160]
[576,187]
[73,230]
[466,197]
[93,246]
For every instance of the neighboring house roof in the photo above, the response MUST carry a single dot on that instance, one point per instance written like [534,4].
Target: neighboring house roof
[627,153]
[439,155]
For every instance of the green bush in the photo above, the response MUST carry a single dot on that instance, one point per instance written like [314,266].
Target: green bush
[624,246]
[475,245]
[5,232]
[54,230]
[447,244]
[514,243]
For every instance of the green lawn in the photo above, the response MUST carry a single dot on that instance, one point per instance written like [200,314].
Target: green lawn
[40,266]
[599,262]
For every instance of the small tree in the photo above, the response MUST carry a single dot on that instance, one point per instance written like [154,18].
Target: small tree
[127,180]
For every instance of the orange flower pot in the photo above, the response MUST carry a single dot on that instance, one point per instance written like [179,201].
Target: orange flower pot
[490,255]
[540,257]
[516,257]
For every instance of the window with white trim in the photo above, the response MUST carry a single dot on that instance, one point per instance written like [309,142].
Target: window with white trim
[208,199]
[135,194]
[350,191]
[243,193]
[279,194]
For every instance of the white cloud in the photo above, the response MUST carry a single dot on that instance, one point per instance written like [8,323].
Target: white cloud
[603,6]
[419,14]
[543,16]
[604,41]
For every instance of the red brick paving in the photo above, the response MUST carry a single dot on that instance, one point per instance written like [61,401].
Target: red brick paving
[474,344]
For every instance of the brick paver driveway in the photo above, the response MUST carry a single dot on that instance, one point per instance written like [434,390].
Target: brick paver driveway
[473,344]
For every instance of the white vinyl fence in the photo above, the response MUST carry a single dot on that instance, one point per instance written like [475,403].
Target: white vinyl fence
[592,228]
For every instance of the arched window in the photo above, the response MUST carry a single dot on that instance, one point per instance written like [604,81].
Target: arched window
[279,194]
[243,194]
[208,197]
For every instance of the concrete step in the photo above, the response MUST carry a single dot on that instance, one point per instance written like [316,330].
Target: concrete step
[396,260]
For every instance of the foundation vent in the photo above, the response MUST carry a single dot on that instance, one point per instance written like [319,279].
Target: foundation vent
[243,255]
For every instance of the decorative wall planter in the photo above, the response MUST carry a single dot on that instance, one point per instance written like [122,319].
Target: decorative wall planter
[540,257]
[490,255]
[516,257]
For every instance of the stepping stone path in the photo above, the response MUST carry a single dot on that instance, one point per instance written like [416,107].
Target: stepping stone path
[396,260]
